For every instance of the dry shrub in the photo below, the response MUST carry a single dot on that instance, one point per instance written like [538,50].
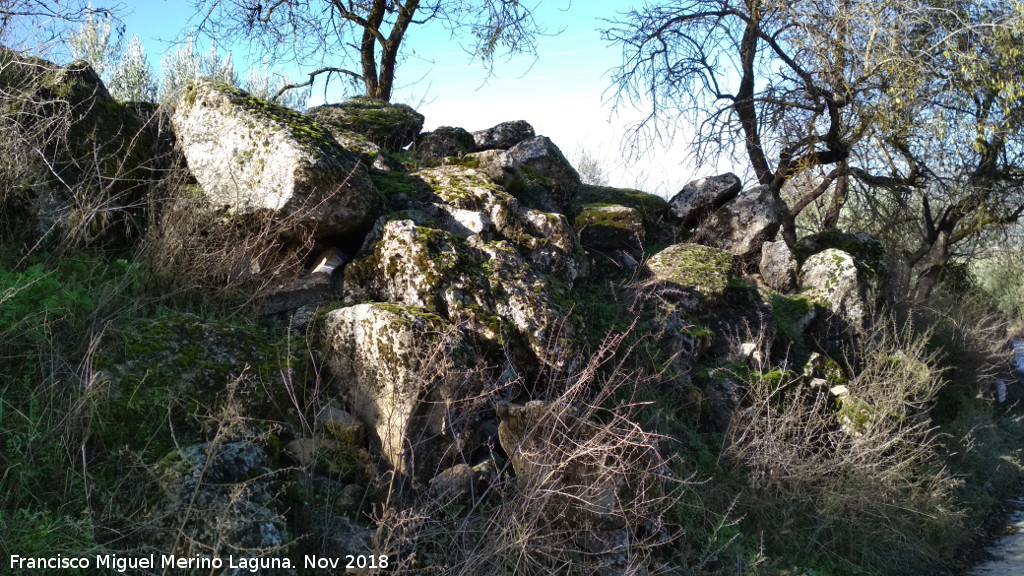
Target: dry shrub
[192,247]
[583,491]
[857,480]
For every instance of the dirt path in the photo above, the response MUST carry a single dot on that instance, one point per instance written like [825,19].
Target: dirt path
[1008,550]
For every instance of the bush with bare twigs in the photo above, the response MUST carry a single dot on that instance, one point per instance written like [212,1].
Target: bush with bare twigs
[834,473]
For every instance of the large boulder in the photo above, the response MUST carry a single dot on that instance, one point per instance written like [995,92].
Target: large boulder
[833,278]
[701,271]
[701,197]
[500,167]
[77,162]
[545,239]
[486,287]
[744,224]
[254,156]
[402,369]
[390,126]
[610,227]
[556,181]
[503,136]
[444,142]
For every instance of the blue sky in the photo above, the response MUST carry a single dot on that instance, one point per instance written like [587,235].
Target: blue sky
[564,93]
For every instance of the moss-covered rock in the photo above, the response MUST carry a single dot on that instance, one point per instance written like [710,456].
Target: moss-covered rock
[83,161]
[864,248]
[484,286]
[744,224]
[610,227]
[833,278]
[444,142]
[556,182]
[390,126]
[253,156]
[401,369]
[545,239]
[703,270]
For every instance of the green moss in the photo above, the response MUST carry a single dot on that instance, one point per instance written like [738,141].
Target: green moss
[600,215]
[704,269]
[788,312]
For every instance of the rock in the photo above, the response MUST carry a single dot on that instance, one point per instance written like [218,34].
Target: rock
[545,239]
[340,424]
[701,197]
[557,181]
[390,126]
[778,266]
[401,368]
[610,227]
[503,136]
[864,248]
[652,209]
[308,290]
[832,278]
[744,224]
[500,167]
[79,163]
[484,286]
[702,271]
[371,154]
[254,156]
[454,484]
[443,143]
[723,395]
[232,487]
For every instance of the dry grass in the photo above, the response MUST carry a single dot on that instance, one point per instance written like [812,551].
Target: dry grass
[832,478]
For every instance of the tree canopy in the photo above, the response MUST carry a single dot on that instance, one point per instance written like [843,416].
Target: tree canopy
[906,104]
[363,40]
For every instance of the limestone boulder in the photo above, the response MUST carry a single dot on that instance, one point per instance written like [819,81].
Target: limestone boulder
[444,142]
[556,182]
[503,136]
[701,197]
[253,156]
[545,239]
[486,287]
[79,163]
[500,167]
[390,126]
[744,224]
[610,227]
[832,278]
[701,273]
[397,367]
[778,266]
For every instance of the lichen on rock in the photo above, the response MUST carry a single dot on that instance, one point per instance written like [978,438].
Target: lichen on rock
[251,155]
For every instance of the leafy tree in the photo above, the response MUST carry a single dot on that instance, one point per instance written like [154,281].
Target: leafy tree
[94,43]
[323,34]
[132,80]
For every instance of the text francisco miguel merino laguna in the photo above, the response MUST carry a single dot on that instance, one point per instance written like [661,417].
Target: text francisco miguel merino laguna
[124,563]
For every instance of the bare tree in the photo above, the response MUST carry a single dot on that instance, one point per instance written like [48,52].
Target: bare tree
[918,100]
[324,34]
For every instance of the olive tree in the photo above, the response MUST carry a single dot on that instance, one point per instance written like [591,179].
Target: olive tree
[363,40]
[896,100]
